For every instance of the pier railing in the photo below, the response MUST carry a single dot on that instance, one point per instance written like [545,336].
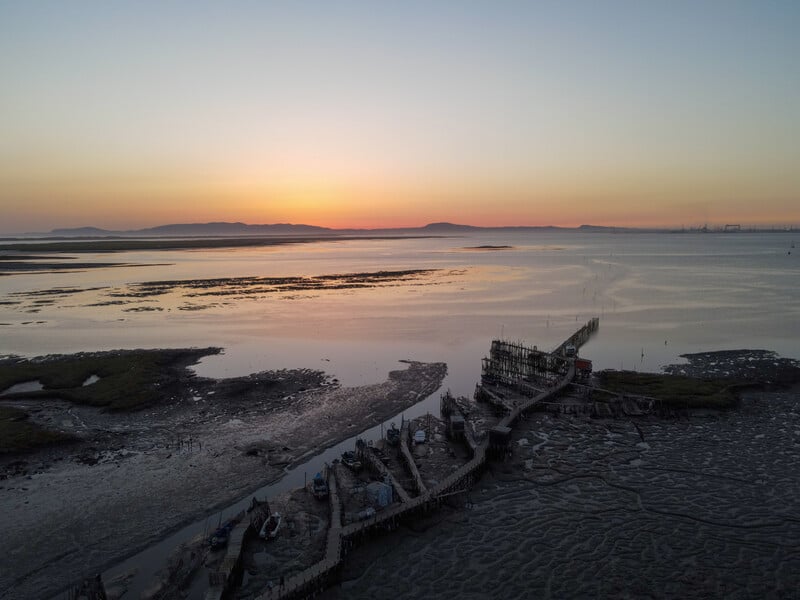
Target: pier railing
[405,451]
[580,337]
[375,465]
[340,538]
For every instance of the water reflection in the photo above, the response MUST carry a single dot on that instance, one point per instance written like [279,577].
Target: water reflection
[658,296]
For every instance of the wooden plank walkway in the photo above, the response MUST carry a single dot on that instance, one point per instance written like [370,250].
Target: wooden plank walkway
[492,397]
[405,436]
[580,337]
[376,465]
[314,579]
[230,562]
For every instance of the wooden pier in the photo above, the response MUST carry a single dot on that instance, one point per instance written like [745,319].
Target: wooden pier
[523,369]
[91,588]
[228,573]
[374,464]
[449,406]
[580,337]
[530,365]
[411,466]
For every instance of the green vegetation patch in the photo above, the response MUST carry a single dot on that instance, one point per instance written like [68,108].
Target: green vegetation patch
[128,379]
[17,433]
[677,391]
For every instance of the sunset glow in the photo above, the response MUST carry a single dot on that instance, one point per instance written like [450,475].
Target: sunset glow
[613,113]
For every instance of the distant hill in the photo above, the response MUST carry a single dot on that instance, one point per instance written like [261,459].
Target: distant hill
[448,227]
[601,228]
[224,229]
[197,229]
[81,231]
[232,229]
[444,228]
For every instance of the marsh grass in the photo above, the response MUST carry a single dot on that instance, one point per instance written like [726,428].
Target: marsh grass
[128,379]
[17,433]
[677,391]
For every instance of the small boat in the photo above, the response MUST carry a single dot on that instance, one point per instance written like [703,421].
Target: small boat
[419,436]
[382,455]
[350,461]
[365,514]
[320,486]
[393,435]
[219,539]
[270,527]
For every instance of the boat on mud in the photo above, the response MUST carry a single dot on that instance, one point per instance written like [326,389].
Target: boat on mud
[269,530]
[319,486]
[350,460]
[393,436]
[219,539]
[382,455]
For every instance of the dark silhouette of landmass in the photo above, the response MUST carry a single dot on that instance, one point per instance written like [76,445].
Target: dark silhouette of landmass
[244,229]
[238,229]
[195,229]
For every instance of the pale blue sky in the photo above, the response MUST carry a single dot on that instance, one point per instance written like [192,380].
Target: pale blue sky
[378,113]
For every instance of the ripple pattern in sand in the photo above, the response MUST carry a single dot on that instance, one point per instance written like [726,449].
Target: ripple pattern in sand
[698,509]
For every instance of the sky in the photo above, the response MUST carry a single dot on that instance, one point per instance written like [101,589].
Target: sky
[377,114]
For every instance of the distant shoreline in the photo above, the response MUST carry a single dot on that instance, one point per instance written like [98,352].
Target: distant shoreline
[127,244]
[281,230]
[115,242]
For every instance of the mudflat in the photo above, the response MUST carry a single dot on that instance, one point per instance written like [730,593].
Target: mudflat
[133,476]
[702,504]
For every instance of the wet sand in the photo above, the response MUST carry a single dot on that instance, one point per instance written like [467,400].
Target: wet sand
[69,514]
[701,507]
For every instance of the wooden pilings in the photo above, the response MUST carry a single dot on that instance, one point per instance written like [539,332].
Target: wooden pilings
[376,466]
[580,337]
[91,588]
[405,438]
[516,367]
[226,576]
[341,538]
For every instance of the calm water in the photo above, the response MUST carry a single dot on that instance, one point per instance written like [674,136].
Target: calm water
[658,295]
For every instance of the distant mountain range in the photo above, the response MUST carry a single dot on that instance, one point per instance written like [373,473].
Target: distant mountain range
[201,229]
[243,229]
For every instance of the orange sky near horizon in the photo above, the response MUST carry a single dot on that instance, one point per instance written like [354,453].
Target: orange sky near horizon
[130,201]
[367,117]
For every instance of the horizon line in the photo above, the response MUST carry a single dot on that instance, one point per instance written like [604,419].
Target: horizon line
[720,226]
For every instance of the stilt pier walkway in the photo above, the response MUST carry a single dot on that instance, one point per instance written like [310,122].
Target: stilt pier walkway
[376,466]
[311,581]
[580,337]
[405,436]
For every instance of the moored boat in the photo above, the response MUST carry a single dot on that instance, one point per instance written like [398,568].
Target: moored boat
[350,460]
[270,527]
[219,539]
[319,486]
[393,435]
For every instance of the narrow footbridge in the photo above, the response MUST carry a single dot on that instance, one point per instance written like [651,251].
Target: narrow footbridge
[342,538]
